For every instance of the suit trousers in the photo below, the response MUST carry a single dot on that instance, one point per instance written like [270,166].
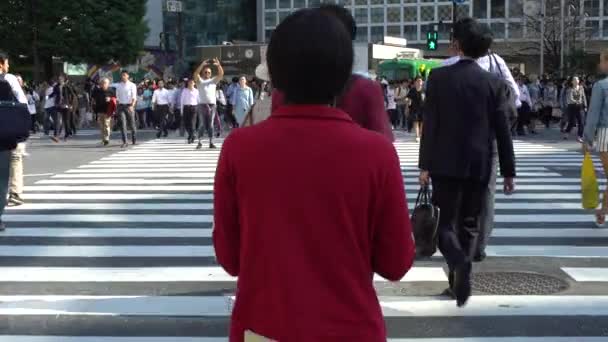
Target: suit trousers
[127,117]
[460,202]
[162,118]
[486,217]
[190,120]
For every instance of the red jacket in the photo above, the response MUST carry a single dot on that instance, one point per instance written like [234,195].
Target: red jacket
[307,206]
[111,106]
[363,101]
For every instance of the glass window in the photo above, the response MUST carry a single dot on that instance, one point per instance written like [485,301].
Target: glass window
[393,31]
[362,34]
[516,8]
[480,9]
[393,14]
[410,32]
[345,3]
[605,10]
[268,34]
[377,2]
[270,4]
[462,10]
[532,31]
[516,31]
[605,28]
[285,3]
[444,32]
[593,29]
[410,14]
[377,15]
[592,7]
[410,1]
[427,13]
[361,15]
[498,9]
[445,12]
[361,3]
[314,3]
[393,2]
[270,19]
[427,0]
[283,15]
[299,3]
[377,34]
[498,29]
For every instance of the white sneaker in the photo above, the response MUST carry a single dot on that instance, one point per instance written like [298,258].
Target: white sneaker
[418,139]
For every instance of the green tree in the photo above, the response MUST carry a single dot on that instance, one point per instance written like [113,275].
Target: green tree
[91,31]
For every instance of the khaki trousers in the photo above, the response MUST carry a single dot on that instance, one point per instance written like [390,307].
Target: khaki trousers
[105,125]
[16,182]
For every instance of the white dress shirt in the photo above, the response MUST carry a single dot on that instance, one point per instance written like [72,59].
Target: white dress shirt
[126,93]
[207,90]
[189,98]
[505,73]
[161,97]
[15,87]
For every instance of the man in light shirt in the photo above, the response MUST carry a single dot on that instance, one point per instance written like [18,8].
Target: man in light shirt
[188,104]
[126,96]
[161,103]
[207,87]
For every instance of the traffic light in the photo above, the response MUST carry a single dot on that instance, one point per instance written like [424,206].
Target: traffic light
[431,40]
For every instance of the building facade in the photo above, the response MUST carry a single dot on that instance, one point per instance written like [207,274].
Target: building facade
[515,25]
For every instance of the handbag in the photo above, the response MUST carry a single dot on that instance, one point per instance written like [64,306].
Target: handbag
[590,192]
[425,221]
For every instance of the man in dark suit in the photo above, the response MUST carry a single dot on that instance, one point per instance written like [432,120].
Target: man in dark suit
[466,109]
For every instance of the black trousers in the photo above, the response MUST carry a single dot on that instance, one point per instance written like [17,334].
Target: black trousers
[394,117]
[460,204]
[575,118]
[486,216]
[190,120]
[62,115]
[162,118]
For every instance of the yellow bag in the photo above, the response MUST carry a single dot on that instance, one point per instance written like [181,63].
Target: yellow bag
[589,187]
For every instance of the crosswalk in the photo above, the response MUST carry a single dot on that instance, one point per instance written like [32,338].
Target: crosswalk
[120,250]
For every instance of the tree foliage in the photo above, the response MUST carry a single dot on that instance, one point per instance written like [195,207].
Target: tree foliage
[92,31]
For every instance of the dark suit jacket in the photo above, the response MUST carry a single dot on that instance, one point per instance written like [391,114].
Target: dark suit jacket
[466,109]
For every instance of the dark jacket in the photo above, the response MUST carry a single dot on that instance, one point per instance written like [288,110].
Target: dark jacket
[466,110]
[348,221]
[64,96]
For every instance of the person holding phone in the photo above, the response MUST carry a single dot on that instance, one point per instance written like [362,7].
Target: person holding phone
[207,87]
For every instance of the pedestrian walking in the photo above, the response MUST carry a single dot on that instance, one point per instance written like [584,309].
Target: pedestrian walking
[244,100]
[549,102]
[189,104]
[161,105]
[207,86]
[64,101]
[327,238]
[103,99]
[416,98]
[126,96]
[10,90]
[576,102]
[597,126]
[466,109]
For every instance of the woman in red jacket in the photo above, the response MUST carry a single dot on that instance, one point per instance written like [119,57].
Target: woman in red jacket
[309,205]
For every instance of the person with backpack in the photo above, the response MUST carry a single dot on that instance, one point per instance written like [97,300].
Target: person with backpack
[64,96]
[10,90]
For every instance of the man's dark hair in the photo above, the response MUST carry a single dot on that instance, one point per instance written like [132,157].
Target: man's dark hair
[124,72]
[473,38]
[344,16]
[310,57]
[3,57]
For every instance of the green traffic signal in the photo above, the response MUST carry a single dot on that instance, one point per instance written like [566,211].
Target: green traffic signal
[431,40]
[432,45]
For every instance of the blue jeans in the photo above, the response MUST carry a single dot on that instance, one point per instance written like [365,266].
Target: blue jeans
[5,168]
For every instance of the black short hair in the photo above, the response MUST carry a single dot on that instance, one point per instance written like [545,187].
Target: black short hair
[3,57]
[473,38]
[124,72]
[310,57]
[344,15]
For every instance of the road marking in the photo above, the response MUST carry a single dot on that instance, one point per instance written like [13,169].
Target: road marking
[163,274]
[513,218]
[77,232]
[112,206]
[554,251]
[550,233]
[106,218]
[587,274]
[105,251]
[139,170]
[218,306]
[133,174]
[126,181]
[125,188]
[39,175]
[117,196]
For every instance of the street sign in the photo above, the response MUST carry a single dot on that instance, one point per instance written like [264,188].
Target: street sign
[174,6]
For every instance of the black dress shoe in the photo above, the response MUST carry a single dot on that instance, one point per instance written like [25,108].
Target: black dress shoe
[462,284]
[479,257]
[158,135]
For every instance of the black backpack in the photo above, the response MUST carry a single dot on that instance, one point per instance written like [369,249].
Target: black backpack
[15,119]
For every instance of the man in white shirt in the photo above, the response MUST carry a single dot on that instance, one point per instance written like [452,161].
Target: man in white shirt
[188,104]
[207,87]
[49,107]
[161,103]
[126,97]
[15,92]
